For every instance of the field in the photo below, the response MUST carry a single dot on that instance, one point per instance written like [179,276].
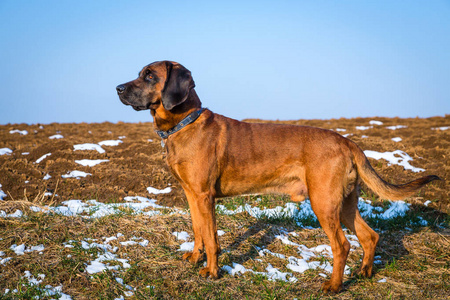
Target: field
[117,229]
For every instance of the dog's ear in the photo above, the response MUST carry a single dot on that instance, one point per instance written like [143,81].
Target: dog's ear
[178,84]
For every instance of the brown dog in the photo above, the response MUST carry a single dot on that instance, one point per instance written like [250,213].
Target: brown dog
[214,156]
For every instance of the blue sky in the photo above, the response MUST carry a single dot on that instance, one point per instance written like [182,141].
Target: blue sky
[61,60]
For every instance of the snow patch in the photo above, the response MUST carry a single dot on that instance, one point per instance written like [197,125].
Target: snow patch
[396,127]
[183,235]
[4,151]
[187,246]
[17,214]
[76,174]
[88,146]
[441,128]
[90,162]
[374,122]
[154,191]
[272,274]
[22,249]
[56,137]
[397,139]
[396,157]
[43,157]
[95,209]
[363,127]
[22,132]
[2,194]
[110,143]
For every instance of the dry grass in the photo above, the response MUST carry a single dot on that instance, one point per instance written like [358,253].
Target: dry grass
[416,264]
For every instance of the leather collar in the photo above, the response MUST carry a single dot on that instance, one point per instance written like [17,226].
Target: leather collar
[183,123]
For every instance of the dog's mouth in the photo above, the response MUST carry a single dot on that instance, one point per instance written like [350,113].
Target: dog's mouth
[134,106]
[138,107]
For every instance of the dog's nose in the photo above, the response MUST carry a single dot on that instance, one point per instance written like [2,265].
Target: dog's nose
[120,88]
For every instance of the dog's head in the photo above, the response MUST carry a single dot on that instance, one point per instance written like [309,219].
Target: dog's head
[162,82]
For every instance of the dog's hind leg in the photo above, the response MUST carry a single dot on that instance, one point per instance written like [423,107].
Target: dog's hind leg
[368,238]
[326,199]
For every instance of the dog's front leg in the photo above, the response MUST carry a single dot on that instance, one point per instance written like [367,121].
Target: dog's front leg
[197,254]
[202,207]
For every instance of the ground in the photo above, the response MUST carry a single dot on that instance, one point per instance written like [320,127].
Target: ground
[415,260]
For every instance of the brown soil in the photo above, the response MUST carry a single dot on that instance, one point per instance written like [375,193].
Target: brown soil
[138,163]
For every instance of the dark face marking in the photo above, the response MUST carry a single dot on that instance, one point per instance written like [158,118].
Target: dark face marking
[145,91]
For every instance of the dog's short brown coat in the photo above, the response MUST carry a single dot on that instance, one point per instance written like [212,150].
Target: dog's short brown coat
[217,156]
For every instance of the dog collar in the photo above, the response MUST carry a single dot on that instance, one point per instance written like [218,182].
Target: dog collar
[186,121]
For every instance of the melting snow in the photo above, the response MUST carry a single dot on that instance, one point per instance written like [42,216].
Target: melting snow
[22,132]
[88,146]
[5,260]
[397,139]
[304,211]
[47,177]
[363,127]
[102,261]
[56,136]
[441,128]
[17,214]
[43,157]
[2,194]
[272,273]
[187,246]
[263,251]
[396,157]
[95,209]
[427,202]
[4,151]
[300,265]
[90,162]
[395,127]
[183,235]
[290,210]
[76,174]
[152,190]
[22,249]
[374,122]
[110,143]
[48,290]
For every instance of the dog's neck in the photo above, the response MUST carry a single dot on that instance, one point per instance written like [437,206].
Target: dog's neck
[165,120]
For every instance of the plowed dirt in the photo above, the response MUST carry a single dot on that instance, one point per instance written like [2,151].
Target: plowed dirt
[139,162]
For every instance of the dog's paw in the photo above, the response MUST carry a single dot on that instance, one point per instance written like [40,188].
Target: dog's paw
[364,271]
[328,286]
[205,272]
[194,257]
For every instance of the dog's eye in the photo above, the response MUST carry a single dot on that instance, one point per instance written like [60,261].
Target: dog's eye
[148,75]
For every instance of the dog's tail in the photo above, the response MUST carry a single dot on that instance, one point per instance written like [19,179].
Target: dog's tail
[382,188]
